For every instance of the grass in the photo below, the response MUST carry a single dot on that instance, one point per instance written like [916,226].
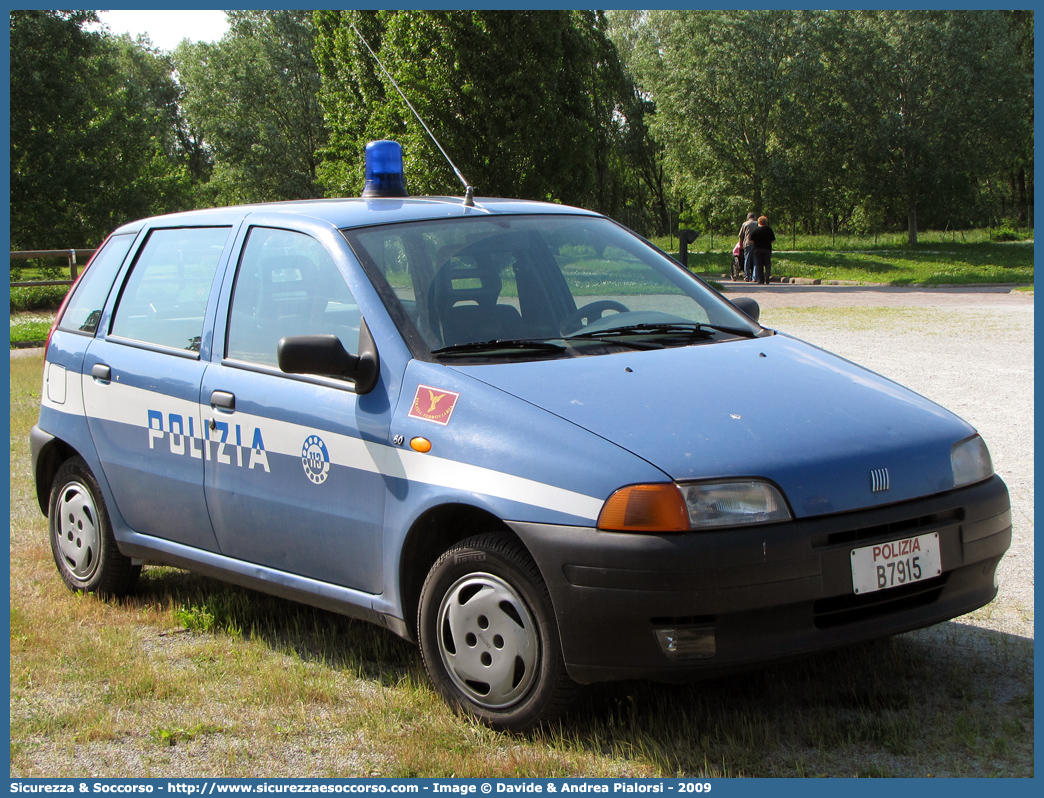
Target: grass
[958,265]
[30,328]
[939,260]
[193,677]
[840,242]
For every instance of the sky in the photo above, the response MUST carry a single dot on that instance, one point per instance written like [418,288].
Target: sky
[166,29]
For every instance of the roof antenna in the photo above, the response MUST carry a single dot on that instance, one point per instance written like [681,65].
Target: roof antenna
[469,192]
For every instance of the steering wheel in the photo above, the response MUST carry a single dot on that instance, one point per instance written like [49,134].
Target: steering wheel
[589,314]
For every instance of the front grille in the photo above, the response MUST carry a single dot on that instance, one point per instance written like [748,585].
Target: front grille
[892,530]
[829,613]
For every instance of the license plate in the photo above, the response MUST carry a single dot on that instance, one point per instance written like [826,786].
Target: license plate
[898,562]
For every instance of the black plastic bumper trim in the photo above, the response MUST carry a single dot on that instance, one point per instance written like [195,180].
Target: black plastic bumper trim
[774,591]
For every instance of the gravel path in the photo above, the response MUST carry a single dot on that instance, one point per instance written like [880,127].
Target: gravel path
[968,348]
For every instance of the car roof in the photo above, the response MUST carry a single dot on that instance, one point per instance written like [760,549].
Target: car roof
[359,212]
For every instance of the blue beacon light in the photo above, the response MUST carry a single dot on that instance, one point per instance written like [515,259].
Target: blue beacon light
[384,172]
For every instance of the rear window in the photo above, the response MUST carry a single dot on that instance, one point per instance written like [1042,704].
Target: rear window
[165,297]
[84,310]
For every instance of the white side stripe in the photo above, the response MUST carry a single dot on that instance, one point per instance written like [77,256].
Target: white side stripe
[73,403]
[128,405]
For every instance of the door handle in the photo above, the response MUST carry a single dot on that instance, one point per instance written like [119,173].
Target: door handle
[223,400]
[101,372]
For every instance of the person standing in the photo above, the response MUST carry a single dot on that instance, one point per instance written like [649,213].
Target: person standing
[747,246]
[762,237]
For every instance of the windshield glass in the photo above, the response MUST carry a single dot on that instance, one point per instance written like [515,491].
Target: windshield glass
[537,286]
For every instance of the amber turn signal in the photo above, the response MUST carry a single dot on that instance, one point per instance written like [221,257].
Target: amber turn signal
[645,508]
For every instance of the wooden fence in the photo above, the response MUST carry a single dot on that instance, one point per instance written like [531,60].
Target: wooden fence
[72,256]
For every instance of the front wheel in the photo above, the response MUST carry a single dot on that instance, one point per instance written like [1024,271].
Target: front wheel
[82,542]
[488,635]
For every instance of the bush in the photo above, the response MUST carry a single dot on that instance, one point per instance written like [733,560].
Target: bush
[1008,234]
[44,297]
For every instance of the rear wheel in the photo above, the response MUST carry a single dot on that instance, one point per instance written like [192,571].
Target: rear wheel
[82,542]
[488,635]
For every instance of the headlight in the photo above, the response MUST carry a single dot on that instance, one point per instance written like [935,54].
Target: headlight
[679,508]
[971,462]
[733,503]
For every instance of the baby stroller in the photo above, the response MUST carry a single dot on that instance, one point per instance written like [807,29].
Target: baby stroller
[737,264]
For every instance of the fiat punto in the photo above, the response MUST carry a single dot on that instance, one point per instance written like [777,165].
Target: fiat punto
[513,432]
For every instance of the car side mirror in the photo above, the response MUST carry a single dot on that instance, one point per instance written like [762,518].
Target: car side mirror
[325,355]
[748,305]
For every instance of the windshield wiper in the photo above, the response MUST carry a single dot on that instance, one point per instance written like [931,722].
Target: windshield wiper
[734,330]
[694,329]
[670,328]
[507,347]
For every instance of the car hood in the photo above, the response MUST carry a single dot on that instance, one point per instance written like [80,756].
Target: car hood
[773,408]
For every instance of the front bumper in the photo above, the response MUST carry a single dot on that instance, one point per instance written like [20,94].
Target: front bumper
[766,592]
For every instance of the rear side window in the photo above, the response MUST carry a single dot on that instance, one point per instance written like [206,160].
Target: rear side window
[287,284]
[165,297]
[84,310]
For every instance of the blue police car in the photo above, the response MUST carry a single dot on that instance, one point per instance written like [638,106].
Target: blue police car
[513,432]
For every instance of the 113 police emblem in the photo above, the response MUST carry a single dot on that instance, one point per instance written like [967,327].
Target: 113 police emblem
[315,458]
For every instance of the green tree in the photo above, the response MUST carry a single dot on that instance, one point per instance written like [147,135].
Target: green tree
[1021,169]
[524,102]
[647,199]
[851,117]
[153,72]
[252,99]
[949,106]
[89,132]
[722,83]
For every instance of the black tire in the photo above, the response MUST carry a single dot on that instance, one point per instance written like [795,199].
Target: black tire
[82,542]
[489,638]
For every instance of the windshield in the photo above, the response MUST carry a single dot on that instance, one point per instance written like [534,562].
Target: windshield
[536,287]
